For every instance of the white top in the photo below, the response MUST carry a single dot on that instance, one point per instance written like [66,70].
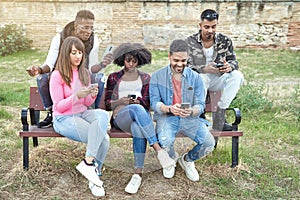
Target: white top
[54,51]
[130,87]
[208,52]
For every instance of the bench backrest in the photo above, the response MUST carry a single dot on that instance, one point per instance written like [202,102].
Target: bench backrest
[35,100]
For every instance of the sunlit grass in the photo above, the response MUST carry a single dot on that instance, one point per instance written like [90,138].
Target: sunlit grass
[269,150]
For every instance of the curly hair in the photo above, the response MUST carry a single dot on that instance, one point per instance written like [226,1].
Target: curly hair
[135,50]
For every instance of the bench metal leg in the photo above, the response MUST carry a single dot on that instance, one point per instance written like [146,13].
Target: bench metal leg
[235,151]
[25,153]
[35,141]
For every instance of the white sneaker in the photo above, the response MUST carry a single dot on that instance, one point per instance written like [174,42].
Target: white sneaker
[89,171]
[175,157]
[96,190]
[169,172]
[167,163]
[134,184]
[189,168]
[165,159]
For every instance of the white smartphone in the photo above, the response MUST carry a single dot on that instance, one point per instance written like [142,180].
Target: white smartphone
[185,105]
[109,49]
[93,85]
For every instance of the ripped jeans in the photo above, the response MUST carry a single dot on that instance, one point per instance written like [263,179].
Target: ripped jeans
[167,127]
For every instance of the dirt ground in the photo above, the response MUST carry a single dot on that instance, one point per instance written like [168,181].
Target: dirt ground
[52,173]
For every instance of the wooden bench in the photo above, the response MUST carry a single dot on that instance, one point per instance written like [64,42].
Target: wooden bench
[35,106]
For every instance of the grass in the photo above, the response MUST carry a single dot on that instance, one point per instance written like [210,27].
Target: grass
[269,150]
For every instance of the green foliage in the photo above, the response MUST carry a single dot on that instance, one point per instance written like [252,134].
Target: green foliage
[12,39]
[14,94]
[5,115]
[252,97]
[268,151]
[268,64]
[293,103]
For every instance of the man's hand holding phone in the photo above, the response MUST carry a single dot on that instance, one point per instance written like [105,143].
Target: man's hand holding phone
[186,109]
[107,56]
[224,66]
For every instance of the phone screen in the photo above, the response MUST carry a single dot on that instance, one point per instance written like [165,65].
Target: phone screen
[185,105]
[132,96]
[93,85]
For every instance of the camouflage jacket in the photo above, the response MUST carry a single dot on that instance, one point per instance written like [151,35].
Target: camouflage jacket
[223,48]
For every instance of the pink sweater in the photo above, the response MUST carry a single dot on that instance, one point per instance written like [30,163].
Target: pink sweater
[65,101]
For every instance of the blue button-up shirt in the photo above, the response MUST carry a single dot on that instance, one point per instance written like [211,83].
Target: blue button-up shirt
[161,89]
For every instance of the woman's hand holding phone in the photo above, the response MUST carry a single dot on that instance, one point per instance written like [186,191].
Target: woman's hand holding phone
[94,89]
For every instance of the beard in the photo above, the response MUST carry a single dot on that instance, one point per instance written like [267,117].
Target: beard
[177,69]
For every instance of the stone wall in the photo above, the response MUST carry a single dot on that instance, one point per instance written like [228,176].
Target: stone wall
[249,23]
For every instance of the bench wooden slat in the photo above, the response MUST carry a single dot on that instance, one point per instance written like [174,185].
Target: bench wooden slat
[34,131]
[35,105]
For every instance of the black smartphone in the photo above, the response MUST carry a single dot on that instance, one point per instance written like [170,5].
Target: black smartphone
[218,65]
[132,96]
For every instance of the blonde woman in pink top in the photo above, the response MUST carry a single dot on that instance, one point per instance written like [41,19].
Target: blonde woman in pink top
[72,94]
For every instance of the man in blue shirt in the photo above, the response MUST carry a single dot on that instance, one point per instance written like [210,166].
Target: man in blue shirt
[177,97]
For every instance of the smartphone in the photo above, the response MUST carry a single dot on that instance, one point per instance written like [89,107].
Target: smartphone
[185,105]
[218,65]
[109,49]
[132,96]
[93,85]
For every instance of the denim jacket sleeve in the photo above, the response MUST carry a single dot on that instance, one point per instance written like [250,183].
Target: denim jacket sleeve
[160,89]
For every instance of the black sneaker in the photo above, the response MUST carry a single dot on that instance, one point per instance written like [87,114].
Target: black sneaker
[47,122]
[227,126]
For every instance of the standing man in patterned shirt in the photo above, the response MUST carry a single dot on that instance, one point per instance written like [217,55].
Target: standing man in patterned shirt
[211,55]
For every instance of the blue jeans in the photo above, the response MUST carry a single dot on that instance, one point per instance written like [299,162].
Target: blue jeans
[89,127]
[43,87]
[167,127]
[135,119]
[100,79]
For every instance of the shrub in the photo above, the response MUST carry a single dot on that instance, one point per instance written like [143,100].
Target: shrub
[12,39]
[252,97]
